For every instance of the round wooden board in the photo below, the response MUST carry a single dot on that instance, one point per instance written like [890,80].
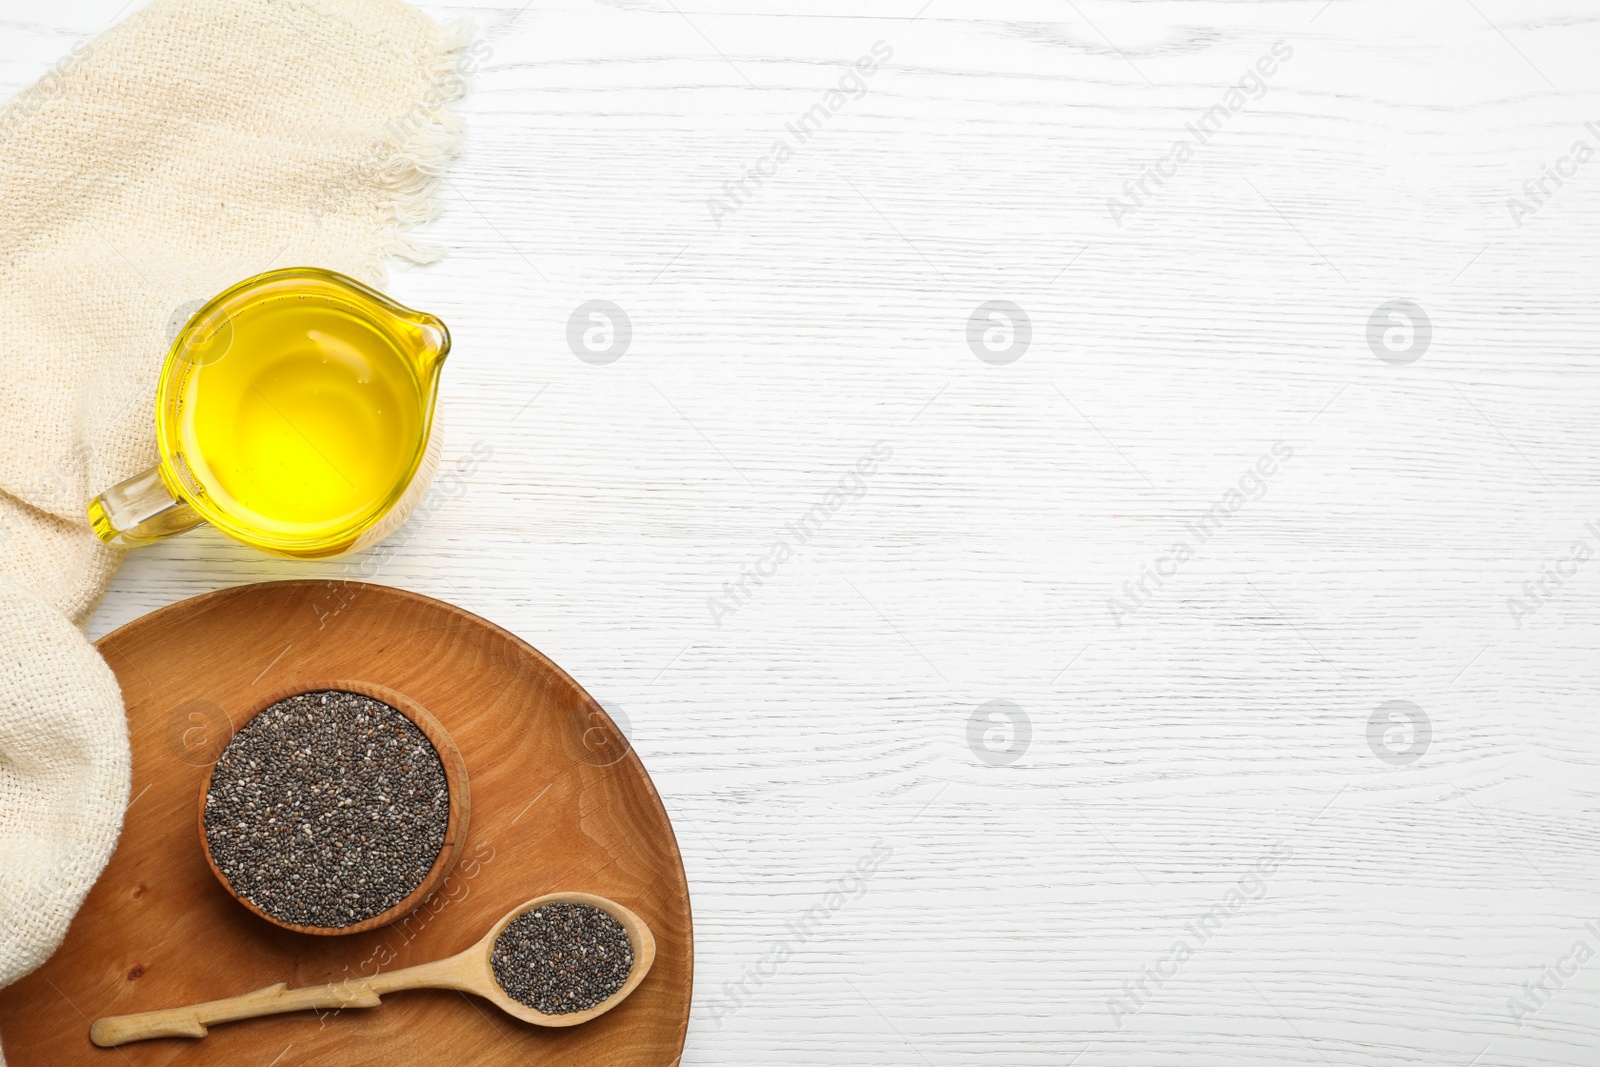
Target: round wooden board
[559,801]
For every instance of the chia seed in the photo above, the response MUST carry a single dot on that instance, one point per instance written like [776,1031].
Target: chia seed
[562,958]
[326,809]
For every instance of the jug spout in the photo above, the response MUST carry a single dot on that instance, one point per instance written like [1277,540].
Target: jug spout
[432,345]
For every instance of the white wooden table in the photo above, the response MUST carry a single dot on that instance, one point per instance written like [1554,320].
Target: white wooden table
[1183,841]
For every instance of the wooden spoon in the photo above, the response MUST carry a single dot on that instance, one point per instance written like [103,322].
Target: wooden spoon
[469,971]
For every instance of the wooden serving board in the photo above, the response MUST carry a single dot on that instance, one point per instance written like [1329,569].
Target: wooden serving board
[559,802]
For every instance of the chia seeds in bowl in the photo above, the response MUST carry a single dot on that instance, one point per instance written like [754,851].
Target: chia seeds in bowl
[562,958]
[327,809]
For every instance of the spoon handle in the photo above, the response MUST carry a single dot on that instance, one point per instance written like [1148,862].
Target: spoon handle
[454,972]
[192,1021]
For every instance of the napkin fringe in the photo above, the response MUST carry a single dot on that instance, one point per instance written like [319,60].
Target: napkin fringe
[429,140]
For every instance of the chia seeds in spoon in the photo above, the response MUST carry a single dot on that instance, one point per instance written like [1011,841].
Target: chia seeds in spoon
[562,958]
[326,809]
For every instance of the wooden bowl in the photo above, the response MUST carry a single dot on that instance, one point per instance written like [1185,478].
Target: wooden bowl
[455,773]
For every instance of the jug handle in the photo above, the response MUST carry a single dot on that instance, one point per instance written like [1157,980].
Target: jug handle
[140,510]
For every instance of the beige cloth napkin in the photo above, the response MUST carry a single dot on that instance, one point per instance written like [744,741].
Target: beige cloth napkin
[194,144]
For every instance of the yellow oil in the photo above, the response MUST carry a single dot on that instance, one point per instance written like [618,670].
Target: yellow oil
[299,416]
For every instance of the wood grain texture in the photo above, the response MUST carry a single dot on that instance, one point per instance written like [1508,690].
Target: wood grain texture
[815,739]
[553,811]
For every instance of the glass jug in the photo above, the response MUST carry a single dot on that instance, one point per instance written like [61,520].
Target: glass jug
[295,413]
